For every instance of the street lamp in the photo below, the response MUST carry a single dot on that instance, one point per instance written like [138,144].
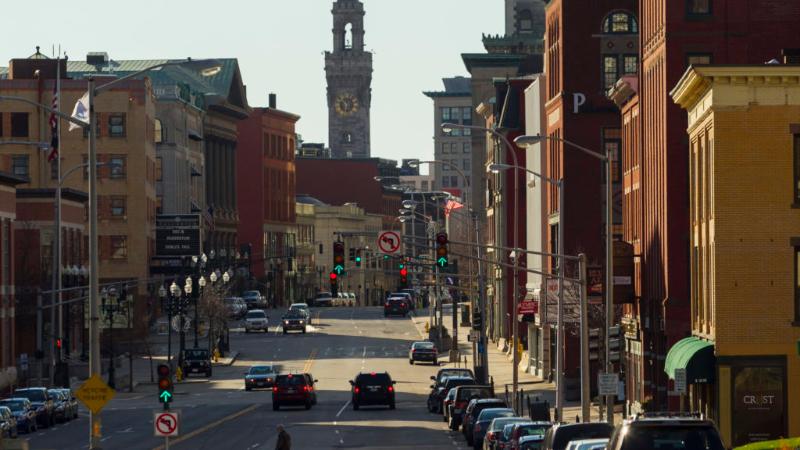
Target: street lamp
[447,127]
[530,141]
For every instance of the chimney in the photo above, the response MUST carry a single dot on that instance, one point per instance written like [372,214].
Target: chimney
[273,101]
[791,55]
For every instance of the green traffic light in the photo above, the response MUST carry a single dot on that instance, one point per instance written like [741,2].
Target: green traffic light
[358,259]
[165,396]
[402,265]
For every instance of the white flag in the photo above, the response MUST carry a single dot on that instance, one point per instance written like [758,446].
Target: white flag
[80,112]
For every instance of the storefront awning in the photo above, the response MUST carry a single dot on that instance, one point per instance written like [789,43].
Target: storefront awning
[696,356]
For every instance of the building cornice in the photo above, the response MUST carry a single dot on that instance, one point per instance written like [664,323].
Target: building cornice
[696,81]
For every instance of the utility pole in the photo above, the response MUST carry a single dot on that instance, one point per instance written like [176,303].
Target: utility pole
[585,388]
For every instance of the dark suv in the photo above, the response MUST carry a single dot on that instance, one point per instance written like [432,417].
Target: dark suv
[463,395]
[196,360]
[474,408]
[435,400]
[372,389]
[294,389]
[659,431]
[41,403]
[395,306]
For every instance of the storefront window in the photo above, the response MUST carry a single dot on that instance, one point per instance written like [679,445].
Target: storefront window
[759,407]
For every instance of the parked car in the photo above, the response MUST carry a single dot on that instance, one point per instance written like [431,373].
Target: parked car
[532,442]
[451,382]
[560,435]
[260,377]
[448,400]
[8,424]
[474,408]
[521,430]
[41,403]
[72,403]
[493,439]
[482,422]
[394,307]
[323,299]
[462,397]
[594,444]
[439,379]
[372,389]
[664,430]
[423,351]
[196,361]
[294,389]
[23,413]
[254,300]
[61,410]
[256,320]
[236,307]
[294,321]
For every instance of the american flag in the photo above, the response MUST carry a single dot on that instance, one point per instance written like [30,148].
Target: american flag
[54,125]
[450,206]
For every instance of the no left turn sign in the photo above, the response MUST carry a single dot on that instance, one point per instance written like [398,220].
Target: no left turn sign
[389,242]
[165,424]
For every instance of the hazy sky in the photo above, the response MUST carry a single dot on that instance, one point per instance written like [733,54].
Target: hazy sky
[280,47]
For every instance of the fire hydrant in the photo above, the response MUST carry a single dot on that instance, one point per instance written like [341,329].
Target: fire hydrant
[179,374]
[427,327]
[216,354]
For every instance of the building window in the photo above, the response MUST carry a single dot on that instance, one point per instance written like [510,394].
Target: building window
[116,125]
[696,59]
[19,125]
[20,165]
[610,71]
[117,167]
[630,65]
[467,164]
[159,132]
[159,168]
[119,247]
[347,138]
[445,181]
[454,181]
[467,147]
[466,116]
[117,206]
[525,21]
[698,7]
[620,22]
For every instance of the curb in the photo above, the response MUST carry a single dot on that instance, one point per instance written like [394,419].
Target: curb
[234,354]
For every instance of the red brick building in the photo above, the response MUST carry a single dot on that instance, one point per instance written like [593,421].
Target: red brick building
[588,46]
[266,202]
[673,36]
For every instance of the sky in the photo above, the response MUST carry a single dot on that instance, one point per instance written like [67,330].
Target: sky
[280,46]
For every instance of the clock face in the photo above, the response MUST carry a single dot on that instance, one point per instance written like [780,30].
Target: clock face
[346,104]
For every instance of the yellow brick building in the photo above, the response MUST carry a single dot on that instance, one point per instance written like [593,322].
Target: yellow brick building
[744,133]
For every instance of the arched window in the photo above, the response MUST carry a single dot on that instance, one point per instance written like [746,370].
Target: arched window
[348,36]
[159,132]
[525,21]
[347,138]
[620,22]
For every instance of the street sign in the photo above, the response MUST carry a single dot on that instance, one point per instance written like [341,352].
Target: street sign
[176,323]
[680,381]
[165,423]
[389,242]
[607,383]
[95,393]
[23,361]
[178,235]
[474,336]
[528,307]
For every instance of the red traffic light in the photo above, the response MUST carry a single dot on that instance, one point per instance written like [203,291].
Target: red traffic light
[403,272]
[441,238]
[163,384]
[333,276]
[58,343]
[163,370]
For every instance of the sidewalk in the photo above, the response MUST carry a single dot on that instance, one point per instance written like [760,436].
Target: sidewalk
[500,370]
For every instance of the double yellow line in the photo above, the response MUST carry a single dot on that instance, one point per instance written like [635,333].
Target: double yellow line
[310,361]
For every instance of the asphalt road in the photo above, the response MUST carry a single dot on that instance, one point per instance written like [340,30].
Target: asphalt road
[220,414]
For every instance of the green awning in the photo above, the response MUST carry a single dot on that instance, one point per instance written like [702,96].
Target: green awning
[696,356]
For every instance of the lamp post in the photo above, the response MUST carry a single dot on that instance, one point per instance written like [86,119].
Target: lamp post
[515,284]
[529,141]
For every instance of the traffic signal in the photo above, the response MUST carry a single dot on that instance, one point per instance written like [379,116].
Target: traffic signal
[477,319]
[594,344]
[352,254]
[615,340]
[58,343]
[358,258]
[334,284]
[338,258]
[403,276]
[441,250]
[164,385]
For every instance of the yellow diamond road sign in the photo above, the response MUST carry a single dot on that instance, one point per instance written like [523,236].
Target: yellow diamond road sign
[95,393]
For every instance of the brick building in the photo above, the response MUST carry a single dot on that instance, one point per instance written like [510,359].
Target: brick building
[673,36]
[265,178]
[599,39]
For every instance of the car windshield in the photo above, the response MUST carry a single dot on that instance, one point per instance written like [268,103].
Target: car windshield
[196,354]
[293,315]
[13,405]
[533,430]
[34,395]
[454,372]
[252,294]
[256,315]
[493,413]
[261,370]
[55,395]
[469,392]
[423,345]
[500,424]
[454,382]
[298,306]
[291,380]
[373,378]
[672,437]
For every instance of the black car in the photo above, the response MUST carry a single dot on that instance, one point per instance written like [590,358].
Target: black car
[439,379]
[462,398]
[666,430]
[474,408]
[72,403]
[395,307]
[423,351]
[260,377]
[560,435]
[61,407]
[41,403]
[436,398]
[23,412]
[196,361]
[294,389]
[373,388]
[294,321]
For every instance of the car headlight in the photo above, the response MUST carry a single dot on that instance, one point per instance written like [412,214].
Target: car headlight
[302,322]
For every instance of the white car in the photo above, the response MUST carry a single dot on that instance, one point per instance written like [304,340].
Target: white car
[302,308]
[256,320]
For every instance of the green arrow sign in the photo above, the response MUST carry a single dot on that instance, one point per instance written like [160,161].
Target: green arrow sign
[165,396]
[338,269]
[442,261]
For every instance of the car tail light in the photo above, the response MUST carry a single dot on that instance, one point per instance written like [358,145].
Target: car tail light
[390,389]
[435,351]
[477,428]
[305,389]
[356,390]
[275,389]
[386,305]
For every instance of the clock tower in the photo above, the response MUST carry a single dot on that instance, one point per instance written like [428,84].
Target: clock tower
[348,69]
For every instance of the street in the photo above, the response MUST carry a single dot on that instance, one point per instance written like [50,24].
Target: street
[220,414]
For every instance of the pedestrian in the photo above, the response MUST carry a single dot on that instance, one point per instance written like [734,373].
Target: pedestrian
[284,439]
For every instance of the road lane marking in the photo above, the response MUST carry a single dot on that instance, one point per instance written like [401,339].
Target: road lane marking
[341,411]
[310,361]
[209,426]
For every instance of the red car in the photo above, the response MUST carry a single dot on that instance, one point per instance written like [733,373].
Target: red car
[294,389]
